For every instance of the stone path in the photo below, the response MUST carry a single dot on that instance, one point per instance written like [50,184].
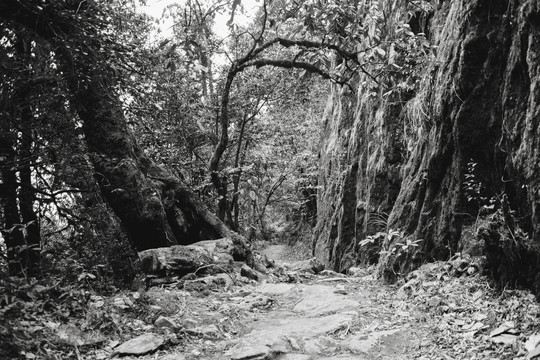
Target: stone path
[323,320]
[330,316]
[291,313]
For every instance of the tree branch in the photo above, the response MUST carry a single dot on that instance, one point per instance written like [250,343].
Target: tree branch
[286,64]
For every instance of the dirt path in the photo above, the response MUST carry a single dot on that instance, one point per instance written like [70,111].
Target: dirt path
[293,314]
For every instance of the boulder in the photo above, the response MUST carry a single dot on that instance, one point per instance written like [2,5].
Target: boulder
[204,257]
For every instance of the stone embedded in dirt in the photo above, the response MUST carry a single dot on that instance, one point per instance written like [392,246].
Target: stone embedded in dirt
[252,352]
[214,282]
[313,266]
[164,322]
[206,332]
[140,345]
[331,273]
[255,301]
[269,263]
[249,273]
[259,352]
[260,267]
[294,344]
[189,323]
[357,272]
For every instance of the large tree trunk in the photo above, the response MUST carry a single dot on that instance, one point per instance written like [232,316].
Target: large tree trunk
[155,208]
[478,102]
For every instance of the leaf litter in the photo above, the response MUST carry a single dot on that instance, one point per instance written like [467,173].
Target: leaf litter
[448,308]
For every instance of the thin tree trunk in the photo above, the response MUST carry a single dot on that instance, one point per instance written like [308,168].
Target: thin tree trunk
[238,162]
[11,230]
[30,255]
[27,197]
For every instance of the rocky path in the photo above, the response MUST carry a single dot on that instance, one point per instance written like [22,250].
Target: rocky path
[294,314]
[327,316]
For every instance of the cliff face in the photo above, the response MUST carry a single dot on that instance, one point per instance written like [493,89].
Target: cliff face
[426,161]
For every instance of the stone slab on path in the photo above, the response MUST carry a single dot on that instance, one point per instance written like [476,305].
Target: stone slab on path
[273,336]
[321,299]
[316,312]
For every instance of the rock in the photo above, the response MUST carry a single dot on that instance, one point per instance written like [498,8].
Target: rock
[294,344]
[356,271]
[249,273]
[331,273]
[313,266]
[73,336]
[260,267]
[319,345]
[269,263]
[250,352]
[272,334]
[205,257]
[316,265]
[206,332]
[140,345]
[164,322]
[214,282]
[189,323]
[262,352]
[256,301]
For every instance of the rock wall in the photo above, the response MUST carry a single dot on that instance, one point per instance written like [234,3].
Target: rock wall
[401,162]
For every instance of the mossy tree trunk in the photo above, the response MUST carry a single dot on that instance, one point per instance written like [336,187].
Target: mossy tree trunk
[155,208]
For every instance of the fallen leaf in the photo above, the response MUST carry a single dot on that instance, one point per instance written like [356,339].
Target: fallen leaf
[506,339]
[505,327]
[532,342]
[473,326]
[534,353]
[479,317]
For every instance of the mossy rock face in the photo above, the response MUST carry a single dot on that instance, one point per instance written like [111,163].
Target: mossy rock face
[474,100]
[511,256]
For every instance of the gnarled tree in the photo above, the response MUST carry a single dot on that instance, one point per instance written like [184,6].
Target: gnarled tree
[155,208]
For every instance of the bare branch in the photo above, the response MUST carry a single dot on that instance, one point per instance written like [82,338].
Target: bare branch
[287,64]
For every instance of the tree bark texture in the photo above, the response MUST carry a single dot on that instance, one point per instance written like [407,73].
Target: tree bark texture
[11,230]
[480,99]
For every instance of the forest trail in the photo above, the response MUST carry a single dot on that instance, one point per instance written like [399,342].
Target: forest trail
[294,314]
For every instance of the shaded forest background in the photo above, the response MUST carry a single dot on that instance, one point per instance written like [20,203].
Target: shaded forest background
[382,132]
